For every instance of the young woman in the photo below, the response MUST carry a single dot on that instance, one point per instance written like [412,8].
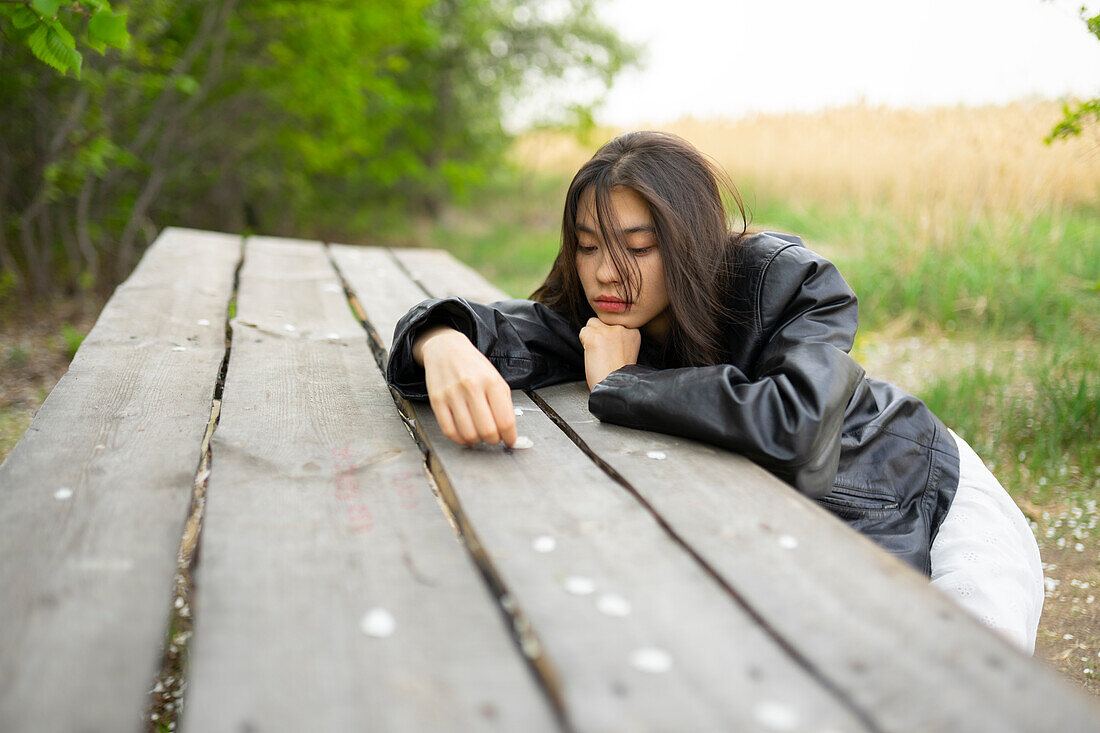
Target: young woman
[740,340]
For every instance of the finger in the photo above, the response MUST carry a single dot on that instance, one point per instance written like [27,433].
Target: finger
[500,402]
[484,422]
[464,423]
[446,421]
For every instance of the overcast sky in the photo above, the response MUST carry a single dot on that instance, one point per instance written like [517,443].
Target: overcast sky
[711,58]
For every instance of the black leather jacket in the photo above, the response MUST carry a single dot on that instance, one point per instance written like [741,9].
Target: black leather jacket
[788,396]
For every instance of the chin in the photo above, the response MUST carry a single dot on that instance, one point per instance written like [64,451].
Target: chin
[620,319]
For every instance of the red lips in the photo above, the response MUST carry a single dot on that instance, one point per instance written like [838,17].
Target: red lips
[611,304]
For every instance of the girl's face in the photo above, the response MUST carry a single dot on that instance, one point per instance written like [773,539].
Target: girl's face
[602,283]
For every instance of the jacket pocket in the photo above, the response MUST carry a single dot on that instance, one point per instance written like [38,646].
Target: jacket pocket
[851,503]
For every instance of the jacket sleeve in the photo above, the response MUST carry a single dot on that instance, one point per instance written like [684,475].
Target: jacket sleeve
[529,344]
[787,415]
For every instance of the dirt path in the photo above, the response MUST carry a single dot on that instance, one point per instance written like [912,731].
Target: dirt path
[33,356]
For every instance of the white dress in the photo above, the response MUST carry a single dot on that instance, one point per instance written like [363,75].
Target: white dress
[985,556]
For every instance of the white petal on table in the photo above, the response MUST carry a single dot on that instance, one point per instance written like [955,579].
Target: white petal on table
[651,659]
[775,716]
[544,543]
[613,605]
[378,622]
[579,585]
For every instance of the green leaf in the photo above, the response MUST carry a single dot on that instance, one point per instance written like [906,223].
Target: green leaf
[1093,25]
[24,17]
[110,28]
[62,32]
[47,8]
[37,43]
[53,50]
[59,44]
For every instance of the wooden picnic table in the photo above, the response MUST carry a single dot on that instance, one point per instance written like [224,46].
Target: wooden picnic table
[354,570]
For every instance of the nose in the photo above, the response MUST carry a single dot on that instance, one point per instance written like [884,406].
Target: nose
[607,272]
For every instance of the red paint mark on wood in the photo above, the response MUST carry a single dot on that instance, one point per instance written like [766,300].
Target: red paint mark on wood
[360,517]
[345,464]
[405,484]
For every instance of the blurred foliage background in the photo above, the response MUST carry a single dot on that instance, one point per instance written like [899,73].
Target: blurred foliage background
[288,118]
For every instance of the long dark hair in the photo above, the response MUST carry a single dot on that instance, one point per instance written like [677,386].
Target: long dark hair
[683,189]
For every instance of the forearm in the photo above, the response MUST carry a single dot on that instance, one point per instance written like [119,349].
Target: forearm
[445,334]
[529,345]
[787,423]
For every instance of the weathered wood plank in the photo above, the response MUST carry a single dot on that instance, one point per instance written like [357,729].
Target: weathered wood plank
[725,673]
[86,581]
[905,654]
[442,275]
[319,510]
[389,294]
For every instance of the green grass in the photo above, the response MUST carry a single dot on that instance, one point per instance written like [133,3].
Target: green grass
[996,274]
[71,337]
[1037,428]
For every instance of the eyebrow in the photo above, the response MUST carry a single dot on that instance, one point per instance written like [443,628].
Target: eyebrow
[631,230]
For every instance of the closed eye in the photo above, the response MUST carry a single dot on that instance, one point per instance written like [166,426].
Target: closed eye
[636,251]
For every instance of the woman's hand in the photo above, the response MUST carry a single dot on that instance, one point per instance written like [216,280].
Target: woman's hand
[607,348]
[470,399]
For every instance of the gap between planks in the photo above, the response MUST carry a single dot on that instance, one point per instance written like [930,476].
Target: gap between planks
[165,701]
[518,623]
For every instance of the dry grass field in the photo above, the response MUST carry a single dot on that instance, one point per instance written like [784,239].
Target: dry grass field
[921,164]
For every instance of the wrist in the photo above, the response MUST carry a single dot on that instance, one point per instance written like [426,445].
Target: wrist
[434,338]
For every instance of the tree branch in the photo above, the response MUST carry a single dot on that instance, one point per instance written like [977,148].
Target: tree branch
[210,20]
